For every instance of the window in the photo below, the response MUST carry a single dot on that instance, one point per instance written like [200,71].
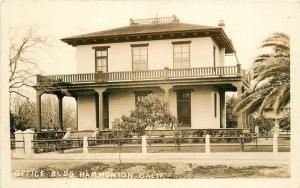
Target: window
[139,57]
[181,54]
[214,55]
[101,58]
[140,95]
[215,104]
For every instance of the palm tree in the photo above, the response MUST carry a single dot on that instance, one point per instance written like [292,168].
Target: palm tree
[270,75]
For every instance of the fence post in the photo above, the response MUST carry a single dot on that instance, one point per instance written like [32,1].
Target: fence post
[85,145]
[19,142]
[256,130]
[144,144]
[207,143]
[275,143]
[242,142]
[68,133]
[28,137]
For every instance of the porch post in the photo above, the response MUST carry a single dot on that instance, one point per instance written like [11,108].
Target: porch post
[166,89]
[38,109]
[100,107]
[60,111]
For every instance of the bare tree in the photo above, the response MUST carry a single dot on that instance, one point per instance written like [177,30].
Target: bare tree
[24,48]
[23,115]
[50,114]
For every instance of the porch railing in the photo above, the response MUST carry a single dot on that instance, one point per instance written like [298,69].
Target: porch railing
[141,75]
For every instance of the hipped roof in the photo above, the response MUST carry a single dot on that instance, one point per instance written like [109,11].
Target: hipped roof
[146,32]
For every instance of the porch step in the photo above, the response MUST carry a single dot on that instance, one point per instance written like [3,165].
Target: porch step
[81,134]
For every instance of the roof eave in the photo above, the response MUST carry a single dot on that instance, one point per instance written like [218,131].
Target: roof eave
[207,32]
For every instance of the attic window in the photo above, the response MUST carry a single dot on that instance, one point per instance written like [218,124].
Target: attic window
[157,20]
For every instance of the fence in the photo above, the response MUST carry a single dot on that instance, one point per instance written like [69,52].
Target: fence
[203,144]
[56,145]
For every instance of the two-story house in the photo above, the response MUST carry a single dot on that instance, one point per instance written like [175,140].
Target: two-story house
[177,62]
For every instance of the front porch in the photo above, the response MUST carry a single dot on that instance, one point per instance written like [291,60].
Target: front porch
[102,98]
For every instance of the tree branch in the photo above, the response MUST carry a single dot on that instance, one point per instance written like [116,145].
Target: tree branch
[18,93]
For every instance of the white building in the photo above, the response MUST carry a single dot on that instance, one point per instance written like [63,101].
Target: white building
[178,62]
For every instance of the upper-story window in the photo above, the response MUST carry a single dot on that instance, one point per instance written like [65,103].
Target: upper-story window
[181,54]
[139,57]
[101,58]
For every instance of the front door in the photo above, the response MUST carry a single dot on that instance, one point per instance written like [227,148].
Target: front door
[184,108]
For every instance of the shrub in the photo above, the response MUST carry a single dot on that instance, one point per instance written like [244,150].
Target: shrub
[150,113]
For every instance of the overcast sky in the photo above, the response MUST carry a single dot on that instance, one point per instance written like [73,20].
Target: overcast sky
[247,24]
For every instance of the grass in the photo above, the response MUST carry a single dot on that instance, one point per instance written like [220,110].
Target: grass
[165,169]
[224,171]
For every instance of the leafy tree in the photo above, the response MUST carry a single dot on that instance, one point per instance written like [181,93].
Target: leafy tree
[264,124]
[270,73]
[150,113]
[285,123]
[231,118]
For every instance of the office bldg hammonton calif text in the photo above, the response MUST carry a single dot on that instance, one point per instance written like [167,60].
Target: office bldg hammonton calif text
[177,62]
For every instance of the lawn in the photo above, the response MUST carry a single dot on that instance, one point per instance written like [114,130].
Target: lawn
[162,170]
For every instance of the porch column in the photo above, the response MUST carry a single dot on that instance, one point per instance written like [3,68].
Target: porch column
[166,89]
[100,107]
[39,94]
[60,111]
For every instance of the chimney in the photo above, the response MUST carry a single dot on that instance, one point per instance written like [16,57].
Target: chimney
[221,23]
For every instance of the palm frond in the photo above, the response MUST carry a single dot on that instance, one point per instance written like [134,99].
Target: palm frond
[270,100]
[284,100]
[271,78]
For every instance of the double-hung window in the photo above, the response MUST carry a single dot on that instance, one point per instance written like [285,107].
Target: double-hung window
[139,57]
[181,54]
[101,59]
